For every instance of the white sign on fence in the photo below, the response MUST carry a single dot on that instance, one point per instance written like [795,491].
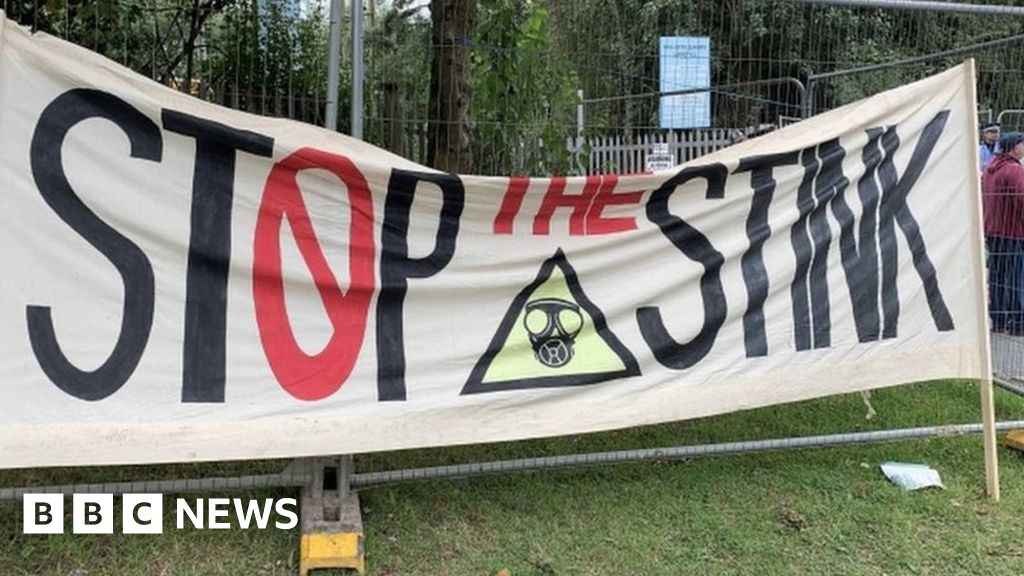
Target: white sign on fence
[659,158]
[684,63]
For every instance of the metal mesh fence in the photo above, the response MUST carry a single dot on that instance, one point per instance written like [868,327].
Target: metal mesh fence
[1002,181]
[267,57]
[544,72]
[570,86]
[300,473]
[532,86]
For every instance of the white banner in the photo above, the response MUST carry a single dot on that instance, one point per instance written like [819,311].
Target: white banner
[185,282]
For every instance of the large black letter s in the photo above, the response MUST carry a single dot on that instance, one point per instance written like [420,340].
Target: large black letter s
[695,246]
[46,157]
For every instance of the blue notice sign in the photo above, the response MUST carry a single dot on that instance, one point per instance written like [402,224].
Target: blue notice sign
[685,63]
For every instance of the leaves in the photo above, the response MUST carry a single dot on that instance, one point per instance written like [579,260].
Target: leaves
[523,90]
[529,58]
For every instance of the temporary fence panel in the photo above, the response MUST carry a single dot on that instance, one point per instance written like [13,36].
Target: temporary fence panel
[518,67]
[1002,179]
[158,308]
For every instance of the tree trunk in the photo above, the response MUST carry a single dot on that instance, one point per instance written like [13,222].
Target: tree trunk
[394,131]
[189,48]
[449,126]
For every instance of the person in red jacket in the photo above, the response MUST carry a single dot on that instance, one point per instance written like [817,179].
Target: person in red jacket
[1002,187]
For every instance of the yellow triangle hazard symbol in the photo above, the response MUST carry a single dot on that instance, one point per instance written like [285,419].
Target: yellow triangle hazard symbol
[552,335]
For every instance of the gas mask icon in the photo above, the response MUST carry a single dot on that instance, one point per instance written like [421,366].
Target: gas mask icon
[553,325]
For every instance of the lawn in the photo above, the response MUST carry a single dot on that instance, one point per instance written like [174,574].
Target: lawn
[814,511]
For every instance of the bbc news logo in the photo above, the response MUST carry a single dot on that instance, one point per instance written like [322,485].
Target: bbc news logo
[144,513]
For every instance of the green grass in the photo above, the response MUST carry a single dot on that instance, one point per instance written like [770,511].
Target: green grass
[815,511]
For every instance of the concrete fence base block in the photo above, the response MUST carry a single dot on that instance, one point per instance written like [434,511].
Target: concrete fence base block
[332,523]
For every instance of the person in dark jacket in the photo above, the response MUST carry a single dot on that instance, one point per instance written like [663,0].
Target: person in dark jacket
[988,149]
[1002,187]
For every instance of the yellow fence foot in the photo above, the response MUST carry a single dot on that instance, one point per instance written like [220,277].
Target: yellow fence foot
[1014,439]
[332,524]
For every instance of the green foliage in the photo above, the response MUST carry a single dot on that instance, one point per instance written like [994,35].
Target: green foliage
[523,90]
[614,50]
[529,57]
[245,54]
[267,61]
[398,78]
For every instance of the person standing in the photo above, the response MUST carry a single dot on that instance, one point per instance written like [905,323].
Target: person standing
[989,140]
[1002,188]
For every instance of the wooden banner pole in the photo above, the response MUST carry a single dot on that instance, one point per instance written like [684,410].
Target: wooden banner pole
[988,413]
